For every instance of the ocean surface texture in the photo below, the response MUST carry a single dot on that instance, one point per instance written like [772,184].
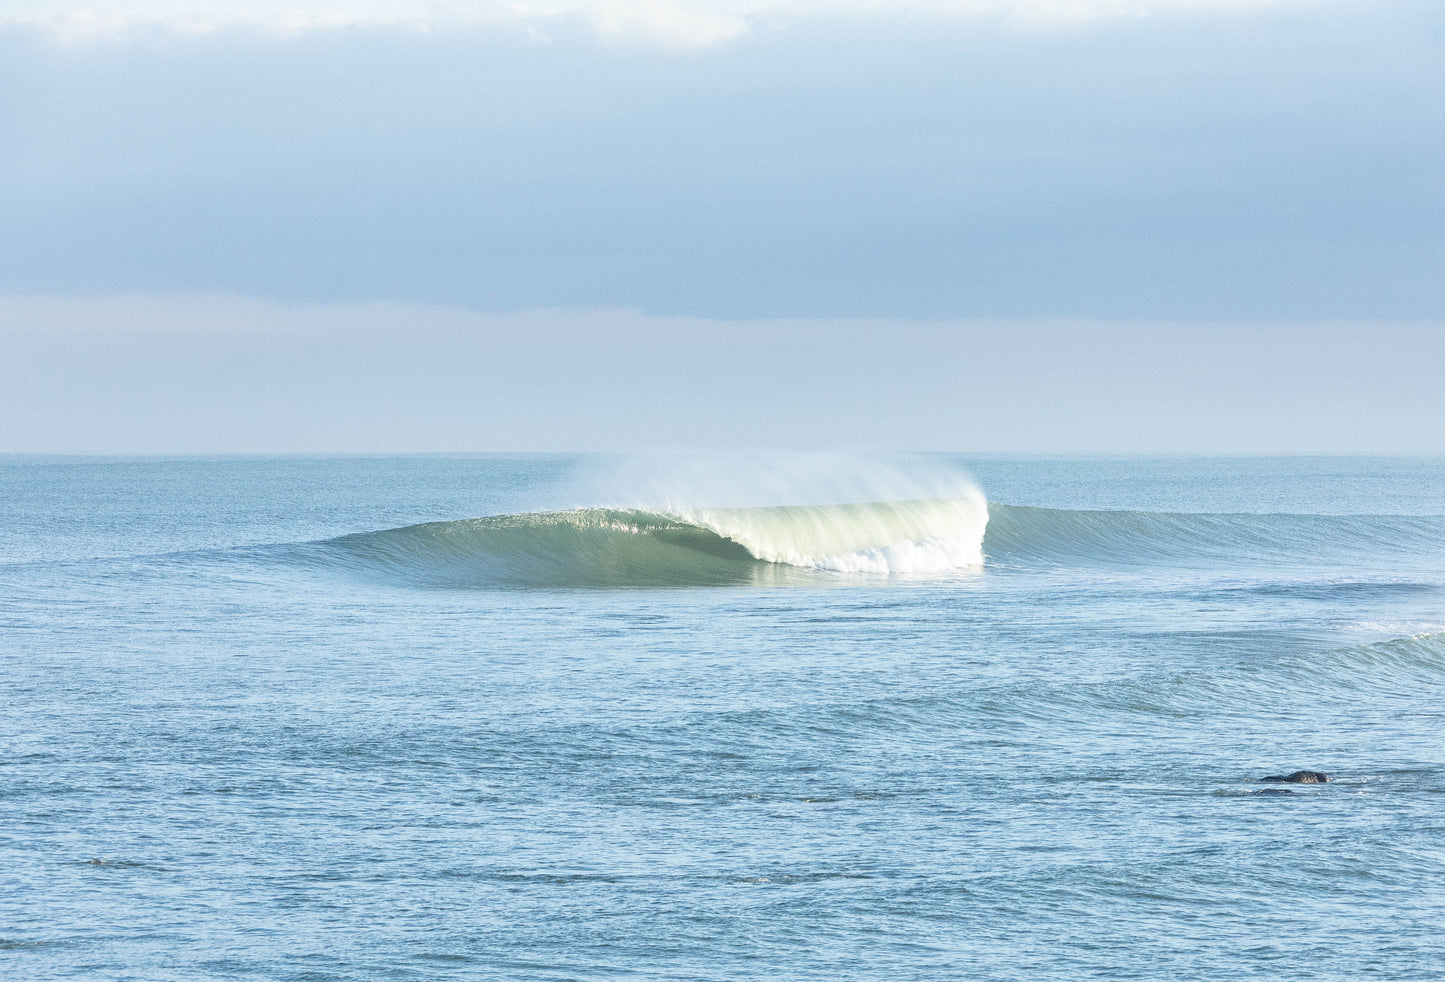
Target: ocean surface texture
[776,718]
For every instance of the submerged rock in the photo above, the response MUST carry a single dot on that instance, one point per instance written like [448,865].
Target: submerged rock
[1298,777]
[1273,791]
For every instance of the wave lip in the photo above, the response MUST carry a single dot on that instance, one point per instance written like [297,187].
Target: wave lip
[683,546]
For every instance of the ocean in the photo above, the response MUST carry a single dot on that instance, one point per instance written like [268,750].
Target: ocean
[721,717]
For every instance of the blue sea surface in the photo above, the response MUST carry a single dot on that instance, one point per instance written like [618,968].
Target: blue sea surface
[414,718]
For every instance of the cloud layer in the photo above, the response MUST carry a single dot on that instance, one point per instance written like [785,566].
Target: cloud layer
[208,374]
[678,23]
[1266,164]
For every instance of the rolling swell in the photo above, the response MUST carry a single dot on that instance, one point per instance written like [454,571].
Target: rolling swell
[1408,666]
[1028,536]
[610,547]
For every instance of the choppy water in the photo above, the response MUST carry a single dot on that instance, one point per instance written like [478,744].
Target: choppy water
[415,718]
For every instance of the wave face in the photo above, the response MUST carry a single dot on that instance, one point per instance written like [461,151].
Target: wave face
[644,547]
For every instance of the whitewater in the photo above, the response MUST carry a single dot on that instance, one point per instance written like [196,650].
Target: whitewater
[571,717]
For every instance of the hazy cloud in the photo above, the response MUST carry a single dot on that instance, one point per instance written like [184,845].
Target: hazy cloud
[679,23]
[207,374]
[1212,227]
[1276,164]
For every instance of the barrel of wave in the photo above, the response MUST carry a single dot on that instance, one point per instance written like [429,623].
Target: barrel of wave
[917,536]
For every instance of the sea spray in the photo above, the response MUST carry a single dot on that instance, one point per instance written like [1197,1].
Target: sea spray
[678,483]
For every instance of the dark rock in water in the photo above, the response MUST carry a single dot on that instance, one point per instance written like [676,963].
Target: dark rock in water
[1299,777]
[1273,791]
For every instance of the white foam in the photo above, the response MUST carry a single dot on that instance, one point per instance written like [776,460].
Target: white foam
[929,535]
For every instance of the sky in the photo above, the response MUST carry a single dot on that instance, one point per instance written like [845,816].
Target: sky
[1152,226]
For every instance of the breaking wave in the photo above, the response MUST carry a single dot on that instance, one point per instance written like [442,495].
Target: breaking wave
[804,543]
[644,547]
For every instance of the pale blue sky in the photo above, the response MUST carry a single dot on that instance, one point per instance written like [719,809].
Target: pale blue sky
[881,172]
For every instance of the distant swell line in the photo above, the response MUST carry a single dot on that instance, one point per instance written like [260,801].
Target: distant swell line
[1030,536]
